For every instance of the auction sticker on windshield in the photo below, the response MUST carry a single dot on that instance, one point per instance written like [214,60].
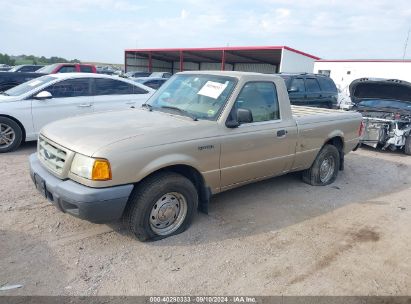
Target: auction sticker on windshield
[212,89]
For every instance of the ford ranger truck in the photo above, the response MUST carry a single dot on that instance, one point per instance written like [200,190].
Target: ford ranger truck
[200,134]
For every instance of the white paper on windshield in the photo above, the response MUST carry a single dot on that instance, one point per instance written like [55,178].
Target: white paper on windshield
[35,82]
[212,89]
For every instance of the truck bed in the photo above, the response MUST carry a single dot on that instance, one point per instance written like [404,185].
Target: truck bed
[304,115]
[315,125]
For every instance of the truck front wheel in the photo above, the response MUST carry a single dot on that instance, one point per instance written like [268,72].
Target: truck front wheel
[161,205]
[325,168]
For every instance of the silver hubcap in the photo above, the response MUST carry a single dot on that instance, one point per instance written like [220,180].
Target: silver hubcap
[7,136]
[168,213]
[327,169]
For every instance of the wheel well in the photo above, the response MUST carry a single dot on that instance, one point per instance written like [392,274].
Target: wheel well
[204,193]
[339,144]
[17,122]
[188,172]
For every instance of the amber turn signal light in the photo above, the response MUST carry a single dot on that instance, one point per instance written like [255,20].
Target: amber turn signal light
[101,170]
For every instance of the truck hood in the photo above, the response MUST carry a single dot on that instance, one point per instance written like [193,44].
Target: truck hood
[87,134]
[367,88]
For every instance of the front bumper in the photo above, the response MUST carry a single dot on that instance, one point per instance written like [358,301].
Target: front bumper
[96,205]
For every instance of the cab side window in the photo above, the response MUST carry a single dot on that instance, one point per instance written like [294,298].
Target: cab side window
[86,69]
[261,99]
[67,69]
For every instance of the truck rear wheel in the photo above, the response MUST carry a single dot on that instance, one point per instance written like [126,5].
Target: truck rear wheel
[325,168]
[407,147]
[161,206]
[11,135]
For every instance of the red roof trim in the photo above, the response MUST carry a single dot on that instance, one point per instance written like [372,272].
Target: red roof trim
[301,53]
[366,60]
[228,48]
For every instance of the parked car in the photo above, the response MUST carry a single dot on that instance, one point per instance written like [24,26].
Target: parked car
[200,134]
[26,108]
[136,74]
[104,70]
[5,67]
[313,90]
[9,80]
[152,82]
[108,70]
[385,105]
[26,68]
[161,74]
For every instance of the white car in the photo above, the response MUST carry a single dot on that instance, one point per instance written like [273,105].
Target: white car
[26,108]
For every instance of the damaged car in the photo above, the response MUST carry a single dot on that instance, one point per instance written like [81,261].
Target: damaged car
[385,105]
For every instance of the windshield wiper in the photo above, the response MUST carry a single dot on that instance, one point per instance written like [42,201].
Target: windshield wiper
[184,112]
[148,106]
[4,93]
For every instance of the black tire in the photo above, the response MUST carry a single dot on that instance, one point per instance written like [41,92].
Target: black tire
[5,125]
[313,176]
[142,202]
[407,147]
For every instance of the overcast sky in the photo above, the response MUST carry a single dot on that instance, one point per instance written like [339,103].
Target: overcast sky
[100,30]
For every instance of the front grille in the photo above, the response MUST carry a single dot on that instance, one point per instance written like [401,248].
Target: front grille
[52,156]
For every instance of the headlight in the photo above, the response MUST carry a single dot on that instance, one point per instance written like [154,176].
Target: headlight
[91,168]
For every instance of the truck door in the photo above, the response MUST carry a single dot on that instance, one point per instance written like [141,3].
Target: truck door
[262,148]
[70,97]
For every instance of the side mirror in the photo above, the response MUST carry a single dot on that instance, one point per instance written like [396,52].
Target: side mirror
[240,116]
[293,90]
[244,116]
[43,95]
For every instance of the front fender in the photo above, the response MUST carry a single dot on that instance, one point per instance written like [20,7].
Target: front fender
[166,161]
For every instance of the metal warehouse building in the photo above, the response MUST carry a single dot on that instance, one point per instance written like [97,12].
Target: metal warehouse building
[343,72]
[265,59]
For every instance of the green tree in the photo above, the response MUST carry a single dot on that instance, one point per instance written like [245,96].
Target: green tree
[5,59]
[31,59]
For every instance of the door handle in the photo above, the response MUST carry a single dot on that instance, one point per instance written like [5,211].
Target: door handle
[281,133]
[130,102]
[84,105]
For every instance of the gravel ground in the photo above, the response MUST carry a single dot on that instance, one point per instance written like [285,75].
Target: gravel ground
[276,237]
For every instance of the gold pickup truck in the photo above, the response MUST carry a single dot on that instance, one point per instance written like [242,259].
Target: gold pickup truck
[200,134]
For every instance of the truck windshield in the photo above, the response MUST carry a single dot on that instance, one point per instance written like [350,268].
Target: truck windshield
[29,86]
[195,95]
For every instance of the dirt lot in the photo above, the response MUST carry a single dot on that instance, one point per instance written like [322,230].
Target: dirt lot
[275,237]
